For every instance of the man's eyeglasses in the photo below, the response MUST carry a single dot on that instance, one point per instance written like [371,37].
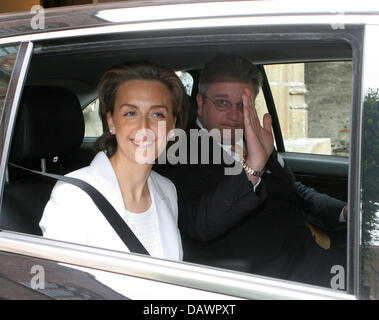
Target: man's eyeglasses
[224,104]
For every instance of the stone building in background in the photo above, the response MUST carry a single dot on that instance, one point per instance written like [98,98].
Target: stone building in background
[329,92]
[308,97]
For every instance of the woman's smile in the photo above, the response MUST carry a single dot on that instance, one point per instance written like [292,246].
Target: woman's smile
[143,143]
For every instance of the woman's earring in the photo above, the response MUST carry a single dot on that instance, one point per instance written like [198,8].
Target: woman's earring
[171,135]
[111,131]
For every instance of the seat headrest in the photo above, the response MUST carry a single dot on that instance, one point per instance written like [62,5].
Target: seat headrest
[49,123]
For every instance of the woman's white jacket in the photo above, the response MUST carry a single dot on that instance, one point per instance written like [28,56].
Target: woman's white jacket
[70,215]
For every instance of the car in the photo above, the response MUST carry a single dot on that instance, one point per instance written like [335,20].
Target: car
[320,87]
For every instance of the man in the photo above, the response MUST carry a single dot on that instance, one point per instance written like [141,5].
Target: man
[254,220]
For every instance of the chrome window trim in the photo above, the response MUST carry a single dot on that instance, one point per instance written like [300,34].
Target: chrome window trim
[335,22]
[11,103]
[234,284]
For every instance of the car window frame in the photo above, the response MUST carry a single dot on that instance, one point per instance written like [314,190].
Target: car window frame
[18,78]
[11,104]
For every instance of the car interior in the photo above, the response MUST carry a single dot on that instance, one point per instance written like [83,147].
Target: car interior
[62,80]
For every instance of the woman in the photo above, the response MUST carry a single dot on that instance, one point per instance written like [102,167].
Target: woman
[139,105]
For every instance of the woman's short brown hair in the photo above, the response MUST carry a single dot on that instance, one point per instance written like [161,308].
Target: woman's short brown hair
[137,70]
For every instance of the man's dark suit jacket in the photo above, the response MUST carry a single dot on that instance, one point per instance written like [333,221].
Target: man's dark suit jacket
[221,218]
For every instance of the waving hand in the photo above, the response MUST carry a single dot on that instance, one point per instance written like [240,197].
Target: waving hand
[259,140]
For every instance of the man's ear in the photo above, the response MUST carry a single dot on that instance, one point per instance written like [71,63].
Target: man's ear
[200,102]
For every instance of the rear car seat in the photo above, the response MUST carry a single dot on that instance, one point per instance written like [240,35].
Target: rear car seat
[49,126]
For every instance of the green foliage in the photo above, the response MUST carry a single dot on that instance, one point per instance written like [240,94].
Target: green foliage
[370,165]
[370,189]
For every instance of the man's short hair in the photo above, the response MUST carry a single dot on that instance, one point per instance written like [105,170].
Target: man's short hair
[229,66]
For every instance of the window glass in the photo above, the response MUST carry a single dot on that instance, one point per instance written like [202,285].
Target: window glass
[313,104]
[7,60]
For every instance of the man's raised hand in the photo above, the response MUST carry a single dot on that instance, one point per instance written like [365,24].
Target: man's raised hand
[259,140]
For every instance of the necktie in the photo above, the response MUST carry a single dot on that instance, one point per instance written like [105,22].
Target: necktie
[321,238]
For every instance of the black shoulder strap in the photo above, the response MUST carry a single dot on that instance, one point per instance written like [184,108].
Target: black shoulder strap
[117,223]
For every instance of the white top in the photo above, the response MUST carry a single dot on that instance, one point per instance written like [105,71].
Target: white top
[145,227]
[71,215]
